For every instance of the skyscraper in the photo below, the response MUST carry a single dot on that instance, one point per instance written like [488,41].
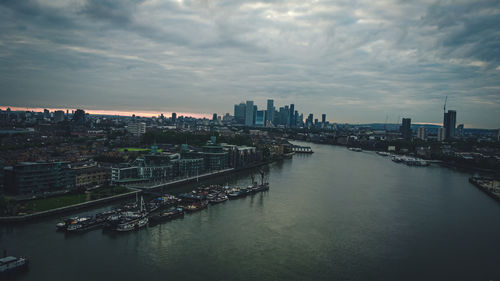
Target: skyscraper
[174,117]
[292,123]
[214,117]
[449,124]
[254,113]
[440,134]
[260,118]
[309,121]
[58,116]
[79,117]
[421,133]
[323,118]
[270,111]
[460,130]
[405,128]
[239,113]
[249,113]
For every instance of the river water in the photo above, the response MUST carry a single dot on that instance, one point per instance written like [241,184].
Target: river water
[332,215]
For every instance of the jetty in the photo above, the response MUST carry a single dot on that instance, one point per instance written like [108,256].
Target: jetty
[302,149]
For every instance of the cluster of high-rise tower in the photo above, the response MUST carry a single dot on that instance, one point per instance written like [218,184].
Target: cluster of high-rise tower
[249,115]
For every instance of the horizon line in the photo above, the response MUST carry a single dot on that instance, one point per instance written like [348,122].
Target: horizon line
[187,114]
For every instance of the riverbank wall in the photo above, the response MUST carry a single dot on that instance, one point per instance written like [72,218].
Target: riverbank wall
[175,183]
[483,186]
[136,190]
[75,207]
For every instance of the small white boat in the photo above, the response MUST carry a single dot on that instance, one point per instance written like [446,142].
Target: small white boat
[9,264]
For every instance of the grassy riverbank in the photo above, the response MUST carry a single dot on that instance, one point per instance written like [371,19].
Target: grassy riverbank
[50,203]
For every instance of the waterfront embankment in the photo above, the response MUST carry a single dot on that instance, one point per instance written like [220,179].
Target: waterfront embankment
[75,207]
[488,186]
[135,190]
[205,176]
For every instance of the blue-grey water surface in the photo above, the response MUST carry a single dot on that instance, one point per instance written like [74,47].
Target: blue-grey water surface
[332,215]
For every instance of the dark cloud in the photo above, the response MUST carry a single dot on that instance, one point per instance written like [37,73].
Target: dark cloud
[357,61]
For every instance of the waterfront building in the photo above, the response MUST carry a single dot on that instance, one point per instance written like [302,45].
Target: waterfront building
[215,157]
[270,111]
[441,134]
[241,156]
[125,173]
[190,167]
[449,124]
[421,133]
[405,128]
[249,113]
[158,167]
[39,177]
[88,176]
[137,128]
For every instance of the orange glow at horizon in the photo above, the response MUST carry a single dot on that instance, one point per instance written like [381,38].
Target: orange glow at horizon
[111,112]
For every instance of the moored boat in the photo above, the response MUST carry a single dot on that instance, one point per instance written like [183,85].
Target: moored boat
[11,264]
[196,207]
[219,199]
[167,215]
[85,225]
[133,224]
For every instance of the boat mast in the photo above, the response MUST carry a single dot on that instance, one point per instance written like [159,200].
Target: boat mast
[261,176]
[142,204]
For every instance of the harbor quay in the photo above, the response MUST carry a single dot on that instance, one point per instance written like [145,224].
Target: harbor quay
[134,191]
[71,208]
[487,185]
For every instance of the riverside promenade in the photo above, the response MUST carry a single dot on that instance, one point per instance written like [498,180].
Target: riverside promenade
[136,189]
[29,217]
[183,180]
[149,187]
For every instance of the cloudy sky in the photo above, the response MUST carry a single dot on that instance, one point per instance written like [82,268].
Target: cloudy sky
[356,61]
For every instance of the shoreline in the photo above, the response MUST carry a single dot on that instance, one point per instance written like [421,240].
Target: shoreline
[136,190]
[447,164]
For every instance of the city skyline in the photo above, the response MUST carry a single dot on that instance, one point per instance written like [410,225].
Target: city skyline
[206,116]
[356,62]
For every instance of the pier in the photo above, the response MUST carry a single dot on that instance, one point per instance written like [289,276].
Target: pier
[302,149]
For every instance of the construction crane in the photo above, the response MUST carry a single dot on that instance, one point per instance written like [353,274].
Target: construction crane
[444,107]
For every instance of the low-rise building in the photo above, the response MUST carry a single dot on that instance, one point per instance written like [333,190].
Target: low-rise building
[91,176]
[137,128]
[39,177]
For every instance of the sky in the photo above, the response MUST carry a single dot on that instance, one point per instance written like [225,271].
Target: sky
[357,61]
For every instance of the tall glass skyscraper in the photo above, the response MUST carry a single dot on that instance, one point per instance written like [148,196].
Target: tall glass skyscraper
[249,118]
[270,111]
[449,124]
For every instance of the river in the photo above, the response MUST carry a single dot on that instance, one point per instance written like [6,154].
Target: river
[332,215]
